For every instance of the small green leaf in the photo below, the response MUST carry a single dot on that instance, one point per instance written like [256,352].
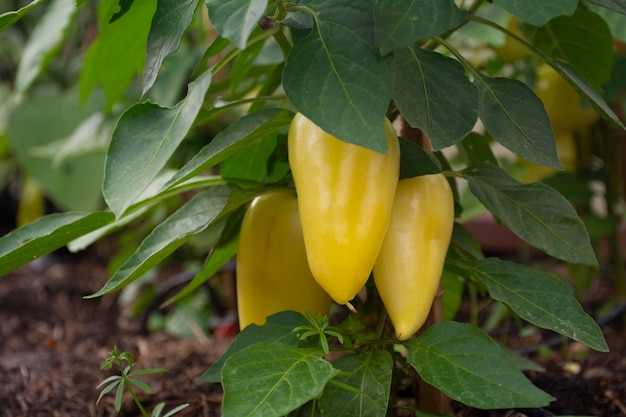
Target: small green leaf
[232,139]
[192,218]
[235,19]
[278,328]
[538,12]
[123,42]
[369,373]
[583,40]
[144,139]
[140,384]
[168,25]
[400,23]
[44,42]
[272,379]
[250,163]
[468,366]
[415,161]
[434,94]
[538,298]
[336,77]
[8,18]
[517,119]
[45,235]
[535,212]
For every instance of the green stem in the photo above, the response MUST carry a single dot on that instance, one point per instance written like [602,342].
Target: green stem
[129,387]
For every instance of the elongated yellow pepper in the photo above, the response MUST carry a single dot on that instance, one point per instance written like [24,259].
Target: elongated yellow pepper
[345,195]
[410,263]
[272,270]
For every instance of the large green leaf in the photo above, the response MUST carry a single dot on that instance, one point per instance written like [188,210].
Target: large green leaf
[272,379]
[232,139]
[369,373]
[538,12]
[235,19]
[517,119]
[401,23]
[8,18]
[44,42]
[168,25]
[534,211]
[583,40]
[45,235]
[539,298]
[336,77]
[278,328]
[119,51]
[416,161]
[434,94]
[143,141]
[468,366]
[618,6]
[192,218]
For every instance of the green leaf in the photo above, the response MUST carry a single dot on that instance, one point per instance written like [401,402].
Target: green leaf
[618,6]
[72,182]
[539,298]
[434,94]
[476,147]
[516,118]
[44,42]
[45,235]
[583,40]
[143,141]
[235,19]
[223,252]
[232,139]
[535,212]
[252,162]
[277,328]
[192,218]
[272,379]
[9,18]
[616,21]
[585,89]
[336,77]
[415,161]
[169,22]
[538,12]
[122,42]
[370,373]
[468,366]
[401,23]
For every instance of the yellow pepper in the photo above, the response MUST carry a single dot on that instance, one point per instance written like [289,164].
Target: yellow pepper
[411,259]
[272,270]
[345,195]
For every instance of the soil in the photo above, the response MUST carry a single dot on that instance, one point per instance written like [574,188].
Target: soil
[53,340]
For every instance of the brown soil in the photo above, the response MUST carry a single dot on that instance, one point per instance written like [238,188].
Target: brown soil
[52,342]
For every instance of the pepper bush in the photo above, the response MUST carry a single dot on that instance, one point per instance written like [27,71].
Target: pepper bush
[230,75]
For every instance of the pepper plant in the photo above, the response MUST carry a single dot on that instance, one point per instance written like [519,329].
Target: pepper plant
[464,106]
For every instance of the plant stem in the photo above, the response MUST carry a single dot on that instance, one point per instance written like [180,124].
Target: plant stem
[129,387]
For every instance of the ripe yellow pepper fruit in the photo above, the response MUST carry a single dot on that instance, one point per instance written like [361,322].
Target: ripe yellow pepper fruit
[345,195]
[272,270]
[409,266]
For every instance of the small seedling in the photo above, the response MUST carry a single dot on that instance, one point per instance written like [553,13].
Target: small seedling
[127,379]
